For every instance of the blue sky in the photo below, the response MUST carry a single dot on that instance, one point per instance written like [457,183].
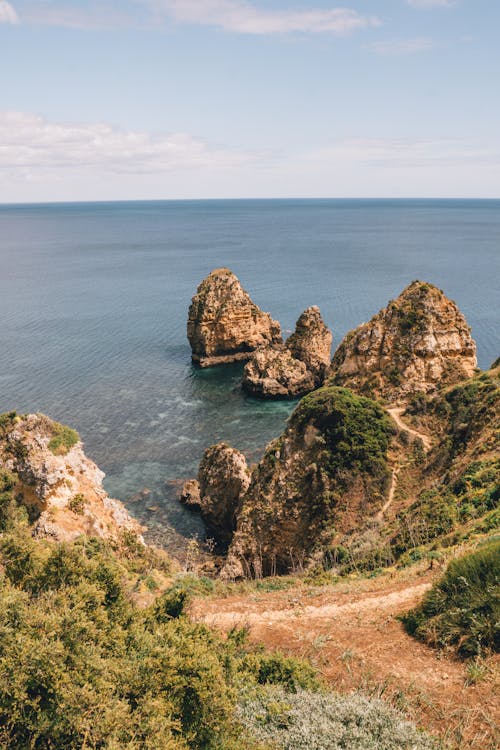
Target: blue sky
[137,99]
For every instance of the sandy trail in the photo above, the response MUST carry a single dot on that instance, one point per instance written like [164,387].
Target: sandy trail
[352,634]
[396,413]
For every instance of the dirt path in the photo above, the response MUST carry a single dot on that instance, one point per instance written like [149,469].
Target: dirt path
[396,413]
[352,635]
[392,490]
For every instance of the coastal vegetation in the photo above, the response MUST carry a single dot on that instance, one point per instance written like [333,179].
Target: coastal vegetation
[462,610]
[84,663]
[64,438]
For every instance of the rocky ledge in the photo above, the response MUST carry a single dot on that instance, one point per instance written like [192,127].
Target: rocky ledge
[60,487]
[418,342]
[224,325]
[295,368]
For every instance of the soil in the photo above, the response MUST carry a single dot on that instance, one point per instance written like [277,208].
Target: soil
[351,633]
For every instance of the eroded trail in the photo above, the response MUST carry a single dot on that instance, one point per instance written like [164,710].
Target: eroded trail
[351,633]
[396,413]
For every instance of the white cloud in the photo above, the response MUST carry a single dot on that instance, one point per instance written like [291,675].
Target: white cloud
[92,16]
[431,3]
[402,46]
[42,161]
[7,13]
[31,145]
[245,18]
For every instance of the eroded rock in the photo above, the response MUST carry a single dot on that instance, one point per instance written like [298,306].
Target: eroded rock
[60,486]
[223,479]
[311,343]
[417,343]
[324,476]
[275,373]
[224,325]
[295,368]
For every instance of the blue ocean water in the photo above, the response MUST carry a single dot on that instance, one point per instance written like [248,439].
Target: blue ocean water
[94,299]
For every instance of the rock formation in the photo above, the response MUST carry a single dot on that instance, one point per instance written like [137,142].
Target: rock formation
[275,373]
[223,479]
[311,343]
[292,369]
[417,343]
[324,476]
[224,325]
[59,485]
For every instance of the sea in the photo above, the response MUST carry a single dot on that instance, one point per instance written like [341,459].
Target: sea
[94,300]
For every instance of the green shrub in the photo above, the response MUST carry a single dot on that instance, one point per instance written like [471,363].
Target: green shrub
[77,503]
[63,439]
[171,605]
[463,608]
[278,669]
[356,430]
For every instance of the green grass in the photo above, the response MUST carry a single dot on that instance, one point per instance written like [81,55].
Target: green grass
[462,610]
[63,439]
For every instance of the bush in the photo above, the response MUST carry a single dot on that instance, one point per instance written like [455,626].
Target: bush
[356,430]
[63,439]
[315,721]
[463,608]
[77,504]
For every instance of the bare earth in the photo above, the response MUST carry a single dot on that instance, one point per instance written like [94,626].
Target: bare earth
[351,634]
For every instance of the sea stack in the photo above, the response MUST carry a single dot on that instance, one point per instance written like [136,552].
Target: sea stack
[295,368]
[224,325]
[419,342]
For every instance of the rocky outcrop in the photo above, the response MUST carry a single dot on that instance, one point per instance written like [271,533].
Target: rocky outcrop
[419,342]
[311,343]
[223,479]
[59,485]
[323,477]
[224,325]
[275,373]
[295,368]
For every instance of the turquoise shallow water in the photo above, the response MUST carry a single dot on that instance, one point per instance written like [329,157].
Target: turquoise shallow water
[94,299]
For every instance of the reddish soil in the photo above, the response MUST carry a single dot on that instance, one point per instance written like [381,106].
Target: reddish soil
[350,633]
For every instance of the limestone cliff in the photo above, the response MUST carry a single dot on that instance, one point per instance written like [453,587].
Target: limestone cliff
[224,325]
[59,485]
[223,479]
[419,342]
[327,473]
[295,368]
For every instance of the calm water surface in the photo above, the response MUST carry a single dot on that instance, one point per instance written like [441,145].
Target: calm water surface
[94,299]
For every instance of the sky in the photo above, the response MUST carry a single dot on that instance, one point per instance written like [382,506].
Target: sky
[180,99]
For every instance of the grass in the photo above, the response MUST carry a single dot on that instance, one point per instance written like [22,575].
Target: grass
[462,610]
[63,439]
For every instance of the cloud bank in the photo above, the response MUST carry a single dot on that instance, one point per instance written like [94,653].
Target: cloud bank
[42,160]
[246,18]
[431,3]
[7,13]
[31,145]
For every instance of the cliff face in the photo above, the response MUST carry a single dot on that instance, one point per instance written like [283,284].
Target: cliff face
[323,476]
[418,343]
[224,325]
[59,485]
[295,368]
[223,479]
